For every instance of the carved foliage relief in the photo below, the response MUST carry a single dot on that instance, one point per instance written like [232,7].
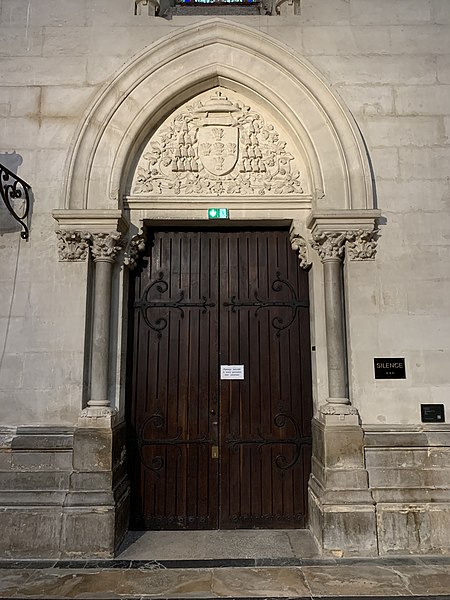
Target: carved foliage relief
[216,146]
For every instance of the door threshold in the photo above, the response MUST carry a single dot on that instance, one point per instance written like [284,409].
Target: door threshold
[247,545]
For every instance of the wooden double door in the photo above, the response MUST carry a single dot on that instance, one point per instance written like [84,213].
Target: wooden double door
[207,452]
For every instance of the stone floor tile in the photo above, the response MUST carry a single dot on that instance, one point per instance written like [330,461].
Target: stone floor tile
[114,584]
[357,580]
[427,580]
[259,582]
[12,580]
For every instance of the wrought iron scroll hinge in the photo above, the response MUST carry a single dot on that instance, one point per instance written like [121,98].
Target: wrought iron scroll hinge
[161,286]
[13,189]
[277,286]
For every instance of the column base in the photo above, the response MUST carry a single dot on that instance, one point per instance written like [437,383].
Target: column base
[98,416]
[338,413]
[343,529]
[96,508]
[341,507]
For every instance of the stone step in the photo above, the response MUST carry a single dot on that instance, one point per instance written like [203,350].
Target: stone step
[368,578]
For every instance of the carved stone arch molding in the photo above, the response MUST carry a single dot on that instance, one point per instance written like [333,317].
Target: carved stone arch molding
[328,199]
[197,58]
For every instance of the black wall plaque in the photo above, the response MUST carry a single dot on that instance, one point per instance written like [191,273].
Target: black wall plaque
[432,413]
[389,368]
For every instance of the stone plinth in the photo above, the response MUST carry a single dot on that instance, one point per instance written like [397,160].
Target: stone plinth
[63,492]
[342,511]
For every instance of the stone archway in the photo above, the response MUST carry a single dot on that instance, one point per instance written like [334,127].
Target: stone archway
[336,205]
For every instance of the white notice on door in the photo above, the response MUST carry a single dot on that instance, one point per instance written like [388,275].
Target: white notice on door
[231,371]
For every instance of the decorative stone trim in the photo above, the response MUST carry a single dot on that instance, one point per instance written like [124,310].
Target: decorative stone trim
[73,246]
[106,246]
[98,412]
[300,246]
[135,247]
[338,409]
[330,245]
[362,245]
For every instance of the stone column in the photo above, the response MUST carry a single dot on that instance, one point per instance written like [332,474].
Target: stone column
[95,517]
[330,247]
[342,514]
[96,507]
[105,247]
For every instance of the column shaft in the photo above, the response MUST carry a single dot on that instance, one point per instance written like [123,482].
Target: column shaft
[100,341]
[334,319]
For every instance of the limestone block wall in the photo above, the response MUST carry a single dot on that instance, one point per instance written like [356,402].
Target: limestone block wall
[35,472]
[390,62]
[410,483]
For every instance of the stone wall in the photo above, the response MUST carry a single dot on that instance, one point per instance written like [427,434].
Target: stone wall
[410,483]
[63,491]
[390,63]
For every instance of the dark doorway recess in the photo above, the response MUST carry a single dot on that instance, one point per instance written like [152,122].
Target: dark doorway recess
[207,453]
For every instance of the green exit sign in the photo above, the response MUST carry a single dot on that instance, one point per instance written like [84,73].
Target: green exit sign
[217,213]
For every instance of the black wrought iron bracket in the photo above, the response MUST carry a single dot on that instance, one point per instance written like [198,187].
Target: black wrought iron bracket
[14,188]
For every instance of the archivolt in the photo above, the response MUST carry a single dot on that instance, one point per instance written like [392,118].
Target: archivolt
[187,62]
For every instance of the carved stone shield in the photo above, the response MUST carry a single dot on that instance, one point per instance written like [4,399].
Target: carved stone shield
[218,148]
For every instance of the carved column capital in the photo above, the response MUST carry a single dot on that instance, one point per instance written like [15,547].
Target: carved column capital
[285,8]
[106,246]
[134,248]
[300,246]
[73,246]
[362,244]
[146,7]
[330,245]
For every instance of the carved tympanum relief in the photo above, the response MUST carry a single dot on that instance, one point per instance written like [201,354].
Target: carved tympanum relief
[217,145]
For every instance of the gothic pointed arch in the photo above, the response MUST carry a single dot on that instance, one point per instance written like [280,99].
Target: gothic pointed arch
[219,54]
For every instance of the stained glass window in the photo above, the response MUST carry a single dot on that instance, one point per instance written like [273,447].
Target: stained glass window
[217,2]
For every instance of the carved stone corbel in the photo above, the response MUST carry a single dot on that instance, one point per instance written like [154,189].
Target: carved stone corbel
[73,246]
[150,8]
[285,8]
[300,246]
[134,249]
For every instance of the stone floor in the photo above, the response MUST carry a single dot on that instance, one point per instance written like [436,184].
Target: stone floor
[207,565]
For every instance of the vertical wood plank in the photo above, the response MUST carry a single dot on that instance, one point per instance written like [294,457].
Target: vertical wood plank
[176,395]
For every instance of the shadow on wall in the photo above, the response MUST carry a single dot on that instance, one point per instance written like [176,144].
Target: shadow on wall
[12,161]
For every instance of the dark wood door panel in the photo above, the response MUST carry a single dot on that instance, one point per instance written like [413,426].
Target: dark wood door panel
[205,299]
[265,419]
[175,384]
